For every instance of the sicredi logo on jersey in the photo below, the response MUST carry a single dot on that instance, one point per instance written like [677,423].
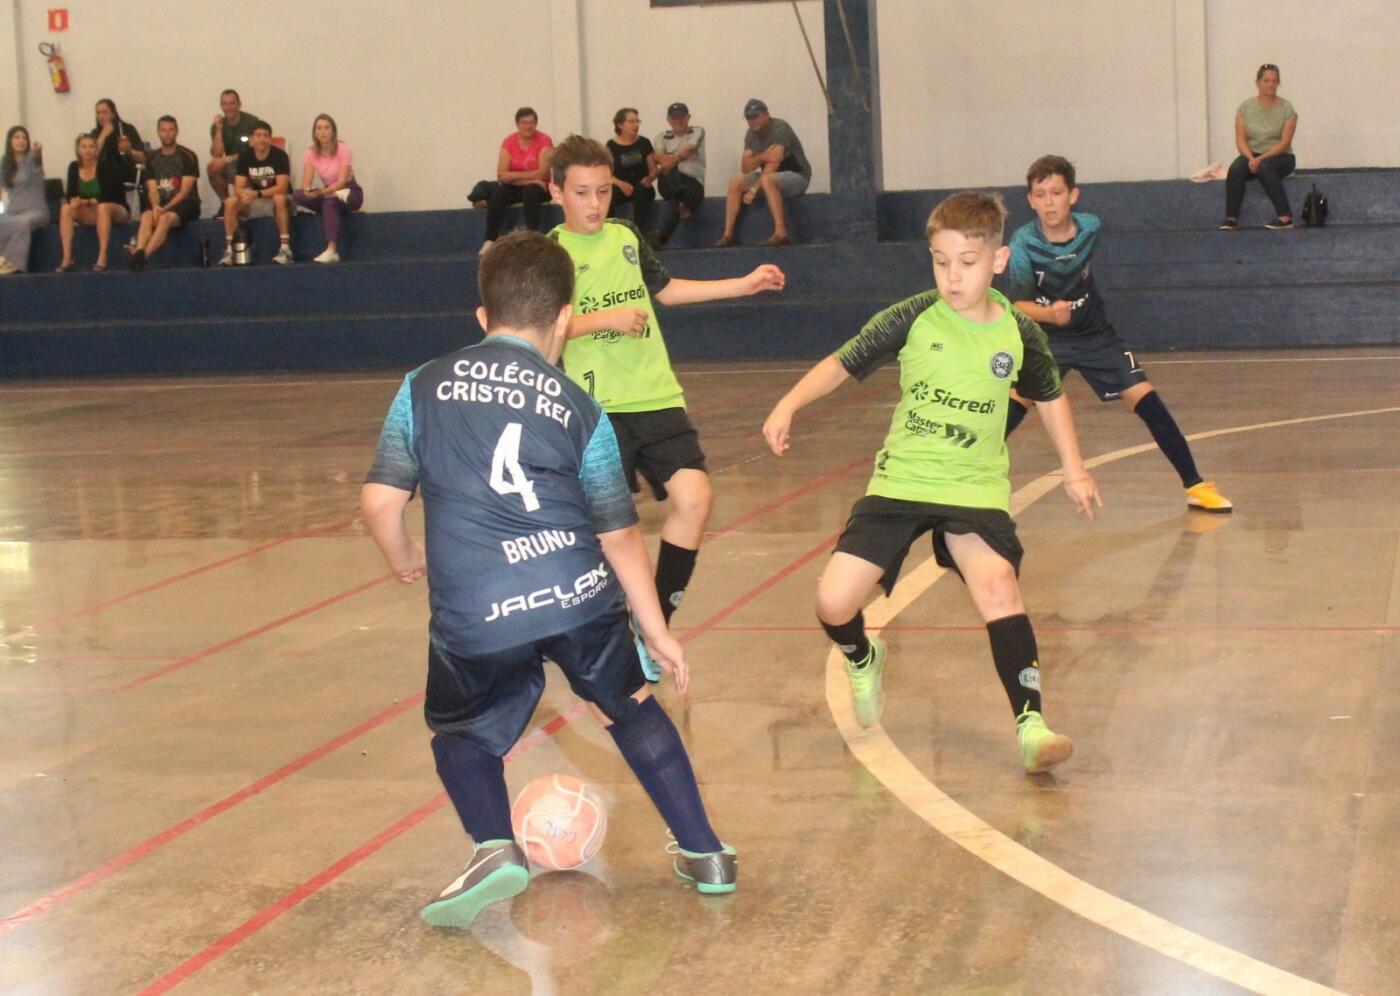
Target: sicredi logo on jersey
[612,299]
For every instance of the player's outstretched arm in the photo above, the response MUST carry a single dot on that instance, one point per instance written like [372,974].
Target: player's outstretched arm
[1079,484]
[765,277]
[382,508]
[633,321]
[626,551]
[818,382]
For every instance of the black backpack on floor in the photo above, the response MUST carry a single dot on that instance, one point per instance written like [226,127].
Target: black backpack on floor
[1315,209]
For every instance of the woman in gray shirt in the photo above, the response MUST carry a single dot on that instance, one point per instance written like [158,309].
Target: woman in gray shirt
[1264,127]
[22,182]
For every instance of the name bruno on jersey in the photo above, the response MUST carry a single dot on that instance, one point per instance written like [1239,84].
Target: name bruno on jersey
[494,384]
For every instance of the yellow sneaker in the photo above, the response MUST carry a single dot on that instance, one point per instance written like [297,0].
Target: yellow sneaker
[1041,749]
[1208,498]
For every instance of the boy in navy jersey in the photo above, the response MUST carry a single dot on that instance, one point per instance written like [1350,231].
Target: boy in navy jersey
[532,543]
[1051,281]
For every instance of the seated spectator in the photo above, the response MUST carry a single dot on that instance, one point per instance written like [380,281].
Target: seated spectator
[261,187]
[329,158]
[773,163]
[1264,127]
[26,208]
[521,170]
[118,140]
[680,165]
[95,196]
[230,134]
[634,167]
[172,191]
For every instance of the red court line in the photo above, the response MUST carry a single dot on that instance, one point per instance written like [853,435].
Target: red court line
[806,489]
[183,662]
[174,579]
[105,870]
[323,878]
[328,875]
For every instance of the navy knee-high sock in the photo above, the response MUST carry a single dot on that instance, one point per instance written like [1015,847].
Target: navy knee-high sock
[652,748]
[476,783]
[1169,438]
[1015,414]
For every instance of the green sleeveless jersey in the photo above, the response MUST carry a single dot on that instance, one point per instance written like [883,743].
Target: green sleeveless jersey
[617,268]
[947,441]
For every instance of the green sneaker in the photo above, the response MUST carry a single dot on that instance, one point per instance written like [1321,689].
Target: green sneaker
[713,873]
[498,870]
[1041,749]
[867,684]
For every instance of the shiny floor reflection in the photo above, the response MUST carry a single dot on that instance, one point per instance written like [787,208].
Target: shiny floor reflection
[214,774]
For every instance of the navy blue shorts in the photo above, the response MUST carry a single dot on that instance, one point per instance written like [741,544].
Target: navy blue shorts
[1102,358]
[489,698]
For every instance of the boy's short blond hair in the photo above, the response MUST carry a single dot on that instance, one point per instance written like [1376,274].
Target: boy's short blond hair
[972,213]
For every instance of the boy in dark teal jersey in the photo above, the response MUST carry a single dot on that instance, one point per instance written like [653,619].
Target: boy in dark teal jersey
[1051,279]
[943,468]
[615,351]
[531,543]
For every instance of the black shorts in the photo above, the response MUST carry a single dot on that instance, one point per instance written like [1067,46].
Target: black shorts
[1102,358]
[187,211]
[881,530]
[656,445]
[489,698]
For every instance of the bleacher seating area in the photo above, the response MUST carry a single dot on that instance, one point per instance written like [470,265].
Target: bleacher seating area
[406,291]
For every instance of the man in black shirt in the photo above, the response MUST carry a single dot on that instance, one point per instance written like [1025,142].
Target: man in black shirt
[172,190]
[229,135]
[261,187]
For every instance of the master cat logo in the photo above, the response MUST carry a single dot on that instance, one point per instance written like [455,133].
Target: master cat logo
[1002,363]
[629,254]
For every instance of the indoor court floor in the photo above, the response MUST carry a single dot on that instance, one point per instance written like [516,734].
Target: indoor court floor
[215,777]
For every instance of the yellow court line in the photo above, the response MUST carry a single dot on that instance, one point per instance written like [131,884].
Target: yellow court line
[874,749]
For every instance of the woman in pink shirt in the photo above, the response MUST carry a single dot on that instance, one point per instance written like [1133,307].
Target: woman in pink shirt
[521,169]
[329,159]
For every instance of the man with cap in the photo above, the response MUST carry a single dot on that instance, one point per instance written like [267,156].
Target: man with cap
[773,163]
[680,162]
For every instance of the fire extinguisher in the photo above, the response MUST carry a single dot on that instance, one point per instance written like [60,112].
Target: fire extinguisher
[57,74]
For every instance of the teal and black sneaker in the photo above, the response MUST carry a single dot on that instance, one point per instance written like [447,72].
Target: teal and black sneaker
[713,873]
[1041,749]
[650,669]
[867,684]
[498,870]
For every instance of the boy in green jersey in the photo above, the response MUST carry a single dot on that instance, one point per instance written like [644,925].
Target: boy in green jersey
[615,351]
[943,468]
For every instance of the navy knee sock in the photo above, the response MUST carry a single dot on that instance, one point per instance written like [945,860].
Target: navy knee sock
[850,638]
[1016,657]
[1015,414]
[1169,438]
[476,783]
[652,748]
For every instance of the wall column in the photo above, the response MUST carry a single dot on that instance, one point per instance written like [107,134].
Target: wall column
[853,123]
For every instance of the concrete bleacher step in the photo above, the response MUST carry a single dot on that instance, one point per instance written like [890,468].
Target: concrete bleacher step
[1359,197]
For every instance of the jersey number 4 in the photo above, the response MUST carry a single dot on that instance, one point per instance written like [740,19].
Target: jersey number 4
[507,478]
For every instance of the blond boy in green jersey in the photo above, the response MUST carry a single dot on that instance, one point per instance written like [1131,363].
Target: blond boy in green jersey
[615,350]
[943,468]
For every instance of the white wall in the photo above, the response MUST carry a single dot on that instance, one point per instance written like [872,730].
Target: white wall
[714,59]
[11,110]
[1338,64]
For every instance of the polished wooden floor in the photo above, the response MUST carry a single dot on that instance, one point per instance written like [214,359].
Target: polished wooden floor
[214,774]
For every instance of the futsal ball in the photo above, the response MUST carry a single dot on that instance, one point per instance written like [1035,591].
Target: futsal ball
[560,821]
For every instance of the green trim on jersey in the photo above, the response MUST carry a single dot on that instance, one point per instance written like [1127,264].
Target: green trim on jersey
[616,268]
[947,439]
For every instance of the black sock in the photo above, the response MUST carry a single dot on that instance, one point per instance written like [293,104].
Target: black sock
[850,638]
[1169,438]
[476,783]
[653,750]
[674,565]
[1015,414]
[1014,651]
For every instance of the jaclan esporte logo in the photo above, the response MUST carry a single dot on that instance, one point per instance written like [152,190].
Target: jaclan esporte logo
[1002,365]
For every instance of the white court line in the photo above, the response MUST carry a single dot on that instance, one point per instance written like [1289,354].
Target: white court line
[332,381]
[874,749]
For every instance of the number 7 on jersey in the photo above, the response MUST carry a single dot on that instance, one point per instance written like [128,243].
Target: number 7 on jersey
[507,477]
